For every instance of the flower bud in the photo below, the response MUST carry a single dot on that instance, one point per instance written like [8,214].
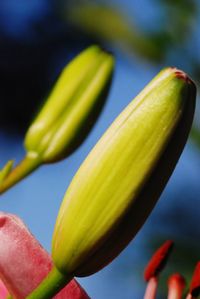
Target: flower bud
[72,106]
[67,116]
[120,181]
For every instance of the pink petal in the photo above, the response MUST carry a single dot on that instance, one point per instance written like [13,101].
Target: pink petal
[24,263]
[3,291]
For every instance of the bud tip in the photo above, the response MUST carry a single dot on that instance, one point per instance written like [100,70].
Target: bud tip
[182,75]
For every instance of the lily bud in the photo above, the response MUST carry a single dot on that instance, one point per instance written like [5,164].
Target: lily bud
[120,181]
[68,115]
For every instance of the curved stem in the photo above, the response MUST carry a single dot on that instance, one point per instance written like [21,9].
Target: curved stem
[50,286]
[25,167]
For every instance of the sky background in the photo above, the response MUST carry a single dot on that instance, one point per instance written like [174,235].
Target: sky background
[37,199]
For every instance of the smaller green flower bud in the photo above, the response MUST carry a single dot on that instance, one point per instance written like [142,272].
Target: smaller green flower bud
[66,117]
[68,114]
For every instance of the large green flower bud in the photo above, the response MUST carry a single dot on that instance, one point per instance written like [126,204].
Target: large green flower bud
[68,115]
[120,181]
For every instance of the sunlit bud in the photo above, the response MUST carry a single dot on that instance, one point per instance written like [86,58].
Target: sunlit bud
[72,106]
[120,181]
[68,115]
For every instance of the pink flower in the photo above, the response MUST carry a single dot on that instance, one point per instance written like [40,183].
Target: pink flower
[24,263]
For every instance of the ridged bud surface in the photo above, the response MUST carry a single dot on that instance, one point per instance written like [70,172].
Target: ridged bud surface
[120,181]
[72,107]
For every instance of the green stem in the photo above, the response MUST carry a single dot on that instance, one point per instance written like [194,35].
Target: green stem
[50,286]
[25,167]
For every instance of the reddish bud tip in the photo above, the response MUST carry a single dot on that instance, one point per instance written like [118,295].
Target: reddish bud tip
[158,260]
[182,75]
[195,283]
[176,284]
